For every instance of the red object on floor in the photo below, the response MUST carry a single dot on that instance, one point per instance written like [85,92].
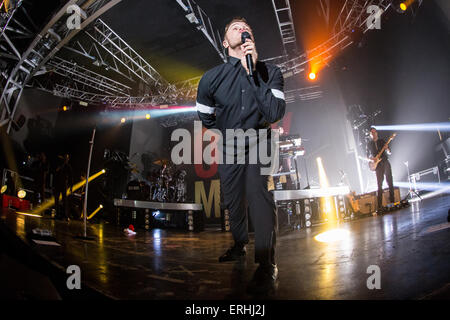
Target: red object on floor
[14,202]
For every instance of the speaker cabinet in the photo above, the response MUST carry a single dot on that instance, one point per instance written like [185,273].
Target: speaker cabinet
[386,196]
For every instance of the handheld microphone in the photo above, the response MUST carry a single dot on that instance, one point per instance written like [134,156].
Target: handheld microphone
[245,35]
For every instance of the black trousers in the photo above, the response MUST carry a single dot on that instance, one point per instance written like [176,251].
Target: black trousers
[61,190]
[241,183]
[384,170]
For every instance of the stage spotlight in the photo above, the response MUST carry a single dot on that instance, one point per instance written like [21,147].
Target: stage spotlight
[103,171]
[147,116]
[21,194]
[3,190]
[308,212]
[312,76]
[156,213]
[341,206]
[226,218]
[401,6]
[122,120]
[100,207]
[190,220]
[49,203]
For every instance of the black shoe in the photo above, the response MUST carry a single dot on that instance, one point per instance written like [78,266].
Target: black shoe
[264,280]
[233,254]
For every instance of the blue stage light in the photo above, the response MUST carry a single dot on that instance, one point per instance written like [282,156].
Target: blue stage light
[441,126]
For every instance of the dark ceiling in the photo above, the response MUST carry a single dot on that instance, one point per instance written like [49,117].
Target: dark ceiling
[159,31]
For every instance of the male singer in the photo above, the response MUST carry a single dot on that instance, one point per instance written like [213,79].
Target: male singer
[234,96]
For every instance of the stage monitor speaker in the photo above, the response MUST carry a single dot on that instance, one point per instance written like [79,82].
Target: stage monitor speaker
[386,196]
[365,204]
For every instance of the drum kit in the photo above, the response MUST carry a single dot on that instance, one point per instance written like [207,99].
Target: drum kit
[165,184]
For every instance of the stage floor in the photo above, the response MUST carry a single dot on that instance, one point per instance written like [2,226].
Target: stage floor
[411,247]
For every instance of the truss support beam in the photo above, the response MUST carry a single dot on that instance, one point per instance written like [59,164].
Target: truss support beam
[123,54]
[186,91]
[7,16]
[202,22]
[86,77]
[286,27]
[303,94]
[52,37]
[325,11]
[93,53]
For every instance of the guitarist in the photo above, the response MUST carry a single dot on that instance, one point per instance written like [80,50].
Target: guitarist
[384,167]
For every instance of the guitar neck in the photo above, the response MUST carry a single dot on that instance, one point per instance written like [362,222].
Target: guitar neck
[385,147]
[382,150]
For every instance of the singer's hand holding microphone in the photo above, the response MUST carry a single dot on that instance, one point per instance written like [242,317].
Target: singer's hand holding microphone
[250,55]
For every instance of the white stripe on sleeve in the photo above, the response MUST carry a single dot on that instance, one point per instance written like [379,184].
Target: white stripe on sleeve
[278,93]
[204,109]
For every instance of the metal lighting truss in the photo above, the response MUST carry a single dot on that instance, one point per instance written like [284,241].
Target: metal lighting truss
[86,77]
[45,45]
[99,58]
[121,53]
[112,58]
[186,91]
[353,14]
[9,23]
[286,27]
[303,94]
[121,58]
[5,17]
[285,22]
[202,22]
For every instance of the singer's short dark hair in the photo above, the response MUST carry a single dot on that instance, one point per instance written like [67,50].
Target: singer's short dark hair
[235,19]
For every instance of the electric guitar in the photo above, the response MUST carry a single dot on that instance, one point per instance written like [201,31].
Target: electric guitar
[374,163]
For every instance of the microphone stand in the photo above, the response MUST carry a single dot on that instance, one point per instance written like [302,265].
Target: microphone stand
[84,236]
[411,191]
